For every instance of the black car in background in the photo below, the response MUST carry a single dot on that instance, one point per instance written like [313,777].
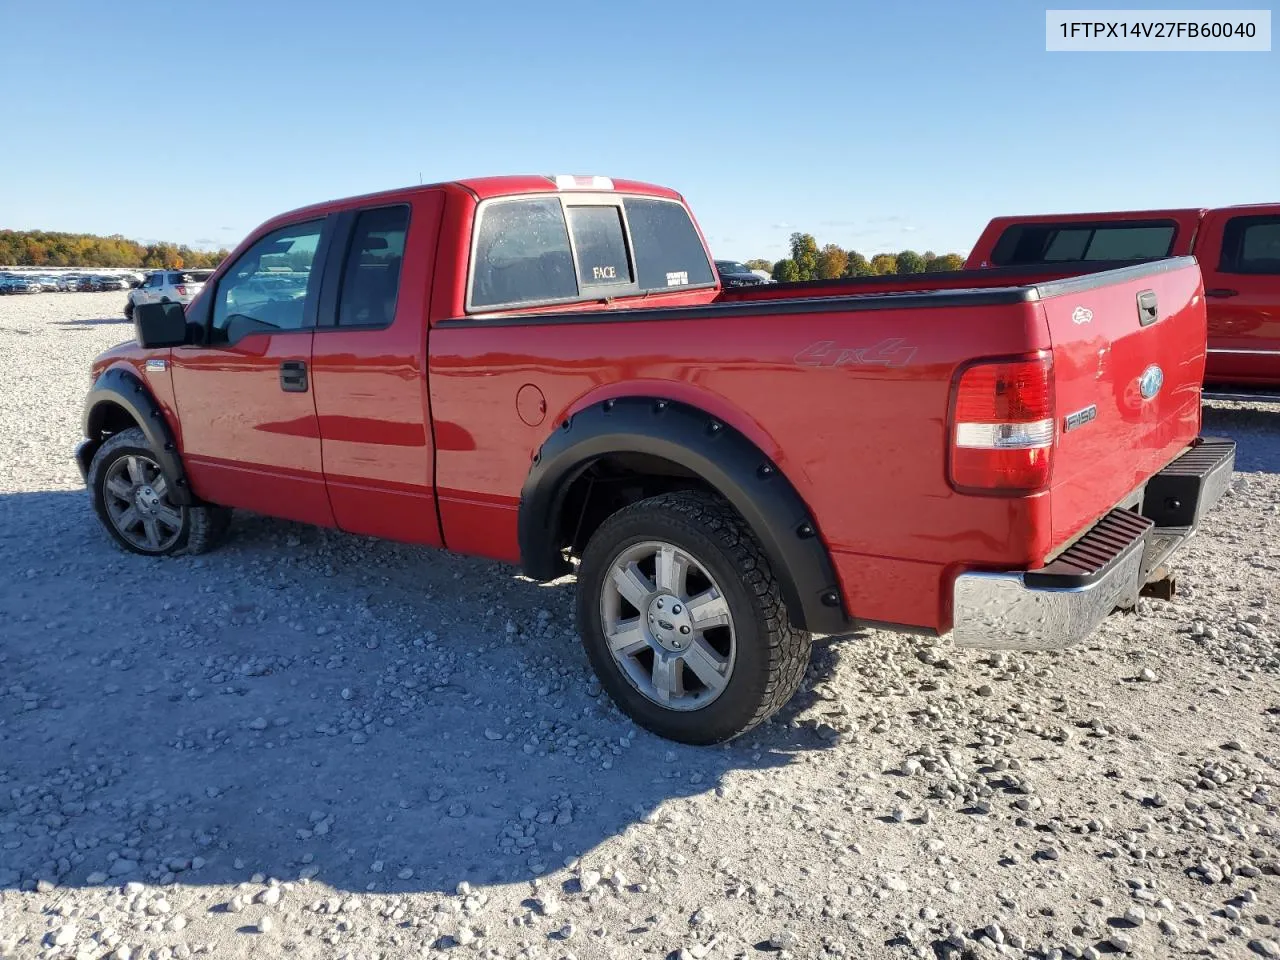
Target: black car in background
[735,274]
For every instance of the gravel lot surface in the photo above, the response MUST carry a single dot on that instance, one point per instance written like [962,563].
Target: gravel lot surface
[312,744]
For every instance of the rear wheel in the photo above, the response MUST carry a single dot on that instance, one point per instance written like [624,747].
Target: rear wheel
[683,619]
[128,309]
[132,498]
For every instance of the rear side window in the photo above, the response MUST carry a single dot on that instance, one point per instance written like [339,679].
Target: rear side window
[1031,243]
[668,251]
[1251,245]
[522,254]
[371,274]
[599,247]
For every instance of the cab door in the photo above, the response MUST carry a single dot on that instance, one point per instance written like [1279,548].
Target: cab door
[1239,253]
[250,436]
[369,370]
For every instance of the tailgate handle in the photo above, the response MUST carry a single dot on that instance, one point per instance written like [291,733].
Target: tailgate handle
[1148,312]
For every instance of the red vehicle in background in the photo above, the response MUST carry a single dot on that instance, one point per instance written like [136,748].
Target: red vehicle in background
[1238,249]
[547,371]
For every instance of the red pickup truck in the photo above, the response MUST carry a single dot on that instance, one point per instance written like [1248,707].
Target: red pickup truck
[545,371]
[1239,253]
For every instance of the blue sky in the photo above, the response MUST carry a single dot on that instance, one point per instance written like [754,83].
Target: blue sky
[876,126]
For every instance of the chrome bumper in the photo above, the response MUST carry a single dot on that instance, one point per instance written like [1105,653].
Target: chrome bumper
[1041,610]
[999,611]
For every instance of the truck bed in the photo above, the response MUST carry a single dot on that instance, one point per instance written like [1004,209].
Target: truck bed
[847,386]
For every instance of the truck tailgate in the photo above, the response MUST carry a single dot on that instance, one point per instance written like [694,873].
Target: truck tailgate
[1128,361]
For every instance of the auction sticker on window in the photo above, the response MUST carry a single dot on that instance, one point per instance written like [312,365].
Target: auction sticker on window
[1157,30]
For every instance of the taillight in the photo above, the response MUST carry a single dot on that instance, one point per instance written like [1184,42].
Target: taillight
[1002,428]
[182,290]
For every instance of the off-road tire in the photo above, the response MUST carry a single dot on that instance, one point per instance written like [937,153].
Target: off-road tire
[203,526]
[772,655]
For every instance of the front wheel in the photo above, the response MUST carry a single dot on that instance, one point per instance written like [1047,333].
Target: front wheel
[683,619]
[128,309]
[131,496]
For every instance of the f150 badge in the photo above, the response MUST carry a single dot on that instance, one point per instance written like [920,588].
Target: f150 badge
[1078,419]
[1150,382]
[1081,315]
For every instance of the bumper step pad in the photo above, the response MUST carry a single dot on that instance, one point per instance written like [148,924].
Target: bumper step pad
[1096,552]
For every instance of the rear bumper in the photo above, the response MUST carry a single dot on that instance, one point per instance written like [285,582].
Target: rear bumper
[1064,602]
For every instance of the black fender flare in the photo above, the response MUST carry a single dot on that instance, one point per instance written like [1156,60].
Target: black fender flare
[126,390]
[714,451]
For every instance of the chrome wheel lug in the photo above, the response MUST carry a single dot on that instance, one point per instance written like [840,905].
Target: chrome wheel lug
[676,608]
[684,630]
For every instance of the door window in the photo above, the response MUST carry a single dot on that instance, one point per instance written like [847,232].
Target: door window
[371,274]
[268,289]
[1251,245]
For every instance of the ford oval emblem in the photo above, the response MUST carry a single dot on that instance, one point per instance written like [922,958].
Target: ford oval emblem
[1151,381]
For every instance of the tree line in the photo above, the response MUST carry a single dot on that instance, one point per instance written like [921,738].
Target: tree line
[41,248]
[808,261]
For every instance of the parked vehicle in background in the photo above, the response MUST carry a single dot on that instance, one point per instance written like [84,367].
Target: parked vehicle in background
[112,283]
[21,285]
[541,370]
[1238,249]
[735,274]
[167,286]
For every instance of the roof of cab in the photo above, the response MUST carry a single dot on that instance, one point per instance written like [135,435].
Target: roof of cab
[1104,215]
[482,188]
[485,188]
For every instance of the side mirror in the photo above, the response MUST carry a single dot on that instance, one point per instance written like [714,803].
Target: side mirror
[160,324]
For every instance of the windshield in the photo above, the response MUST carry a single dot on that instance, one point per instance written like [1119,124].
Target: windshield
[732,266]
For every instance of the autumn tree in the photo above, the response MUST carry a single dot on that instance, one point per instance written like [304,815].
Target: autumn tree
[804,253]
[760,264]
[784,271]
[49,249]
[909,261]
[857,266]
[832,261]
[948,261]
[883,264]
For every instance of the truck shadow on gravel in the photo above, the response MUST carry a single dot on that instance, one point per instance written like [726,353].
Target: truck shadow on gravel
[1254,429]
[303,703]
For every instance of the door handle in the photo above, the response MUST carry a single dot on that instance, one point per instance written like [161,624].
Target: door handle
[1148,309]
[293,376]
[1222,292]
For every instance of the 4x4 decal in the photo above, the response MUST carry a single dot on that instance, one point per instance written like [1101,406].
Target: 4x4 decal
[893,352]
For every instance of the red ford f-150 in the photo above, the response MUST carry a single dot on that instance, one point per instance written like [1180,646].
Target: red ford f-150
[545,371]
[1238,249]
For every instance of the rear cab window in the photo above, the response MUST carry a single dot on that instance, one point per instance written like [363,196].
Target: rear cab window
[530,251]
[1032,243]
